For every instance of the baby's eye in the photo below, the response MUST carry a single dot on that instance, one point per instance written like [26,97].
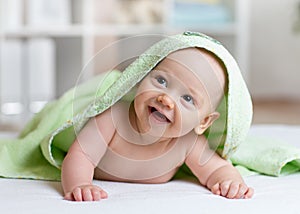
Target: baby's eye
[188,98]
[161,81]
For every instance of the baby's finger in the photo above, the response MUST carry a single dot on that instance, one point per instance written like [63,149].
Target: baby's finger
[77,194]
[225,187]
[249,193]
[96,194]
[233,190]
[87,194]
[103,194]
[216,189]
[242,190]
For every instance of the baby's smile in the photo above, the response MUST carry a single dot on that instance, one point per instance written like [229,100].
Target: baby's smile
[158,115]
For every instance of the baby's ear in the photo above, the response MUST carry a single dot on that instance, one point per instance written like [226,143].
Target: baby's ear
[206,122]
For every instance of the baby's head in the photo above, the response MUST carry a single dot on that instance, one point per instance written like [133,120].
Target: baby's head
[184,90]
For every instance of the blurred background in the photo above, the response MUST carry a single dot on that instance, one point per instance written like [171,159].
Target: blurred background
[45,45]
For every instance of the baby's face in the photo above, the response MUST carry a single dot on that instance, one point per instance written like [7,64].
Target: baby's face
[179,93]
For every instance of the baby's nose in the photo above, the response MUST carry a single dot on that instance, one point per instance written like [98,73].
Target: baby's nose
[166,100]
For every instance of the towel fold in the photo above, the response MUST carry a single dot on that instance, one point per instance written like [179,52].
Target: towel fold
[266,155]
[42,145]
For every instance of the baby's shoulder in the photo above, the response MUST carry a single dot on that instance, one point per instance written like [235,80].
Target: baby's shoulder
[104,124]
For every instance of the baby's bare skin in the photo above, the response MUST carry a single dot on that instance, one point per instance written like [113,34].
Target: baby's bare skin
[148,140]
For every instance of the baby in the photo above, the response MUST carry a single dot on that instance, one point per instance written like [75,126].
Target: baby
[147,140]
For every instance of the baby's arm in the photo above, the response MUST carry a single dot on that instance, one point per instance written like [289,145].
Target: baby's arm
[82,158]
[216,173]
[77,176]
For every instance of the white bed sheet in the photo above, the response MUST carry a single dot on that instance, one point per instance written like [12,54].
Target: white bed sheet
[272,195]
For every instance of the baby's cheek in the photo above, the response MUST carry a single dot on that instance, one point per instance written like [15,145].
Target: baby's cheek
[189,121]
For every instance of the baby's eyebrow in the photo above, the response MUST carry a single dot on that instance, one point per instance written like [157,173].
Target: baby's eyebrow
[158,69]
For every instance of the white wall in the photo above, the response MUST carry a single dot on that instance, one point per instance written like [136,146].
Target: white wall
[274,50]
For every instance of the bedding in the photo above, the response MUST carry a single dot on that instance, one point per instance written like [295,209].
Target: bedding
[272,194]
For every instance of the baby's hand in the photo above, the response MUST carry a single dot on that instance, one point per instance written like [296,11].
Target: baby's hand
[232,189]
[86,193]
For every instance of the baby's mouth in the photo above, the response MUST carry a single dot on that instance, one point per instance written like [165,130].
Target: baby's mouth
[158,115]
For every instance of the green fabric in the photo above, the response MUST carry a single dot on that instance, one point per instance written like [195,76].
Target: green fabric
[42,145]
[267,156]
